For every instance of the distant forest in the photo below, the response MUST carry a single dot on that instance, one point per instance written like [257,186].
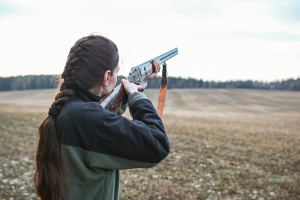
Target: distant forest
[50,81]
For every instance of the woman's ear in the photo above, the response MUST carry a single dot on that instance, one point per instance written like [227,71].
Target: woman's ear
[106,78]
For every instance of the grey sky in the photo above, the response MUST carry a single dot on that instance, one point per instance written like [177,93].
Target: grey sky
[217,40]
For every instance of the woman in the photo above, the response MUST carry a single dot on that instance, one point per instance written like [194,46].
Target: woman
[81,146]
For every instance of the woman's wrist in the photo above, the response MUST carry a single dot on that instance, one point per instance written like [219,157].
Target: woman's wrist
[132,95]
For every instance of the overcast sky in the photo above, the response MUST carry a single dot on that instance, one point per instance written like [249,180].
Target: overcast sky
[217,39]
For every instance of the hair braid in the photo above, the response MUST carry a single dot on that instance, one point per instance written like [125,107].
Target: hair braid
[87,62]
[48,157]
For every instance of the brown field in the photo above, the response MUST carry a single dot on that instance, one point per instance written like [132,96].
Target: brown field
[225,144]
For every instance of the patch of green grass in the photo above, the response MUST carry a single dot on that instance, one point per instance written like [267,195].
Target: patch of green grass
[281,180]
[204,191]
[229,171]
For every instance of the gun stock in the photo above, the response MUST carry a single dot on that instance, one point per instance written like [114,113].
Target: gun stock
[114,100]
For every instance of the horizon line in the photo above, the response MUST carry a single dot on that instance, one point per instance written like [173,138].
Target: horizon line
[159,76]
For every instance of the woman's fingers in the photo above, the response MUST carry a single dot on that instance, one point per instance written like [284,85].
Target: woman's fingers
[155,66]
[124,82]
[139,87]
[156,69]
[151,76]
[130,87]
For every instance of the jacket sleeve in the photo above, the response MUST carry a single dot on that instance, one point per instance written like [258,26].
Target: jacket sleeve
[122,109]
[120,143]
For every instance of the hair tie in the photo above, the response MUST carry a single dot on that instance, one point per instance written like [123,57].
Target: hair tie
[52,112]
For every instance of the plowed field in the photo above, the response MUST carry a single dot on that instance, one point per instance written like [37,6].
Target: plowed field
[225,144]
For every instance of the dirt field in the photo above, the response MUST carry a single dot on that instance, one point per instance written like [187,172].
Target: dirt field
[225,144]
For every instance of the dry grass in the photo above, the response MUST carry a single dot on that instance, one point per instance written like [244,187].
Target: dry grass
[18,142]
[225,144]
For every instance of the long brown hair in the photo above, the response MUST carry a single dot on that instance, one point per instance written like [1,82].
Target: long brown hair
[87,62]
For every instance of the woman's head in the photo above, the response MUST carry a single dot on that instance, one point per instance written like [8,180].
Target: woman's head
[88,61]
[92,61]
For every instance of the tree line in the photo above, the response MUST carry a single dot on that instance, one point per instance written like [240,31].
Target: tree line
[29,82]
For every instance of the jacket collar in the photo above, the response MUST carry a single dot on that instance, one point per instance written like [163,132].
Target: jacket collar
[86,95]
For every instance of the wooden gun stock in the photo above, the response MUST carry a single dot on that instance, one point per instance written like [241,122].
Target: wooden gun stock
[114,100]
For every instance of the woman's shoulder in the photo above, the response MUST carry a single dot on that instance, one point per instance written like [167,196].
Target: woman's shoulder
[80,104]
[77,110]
[77,123]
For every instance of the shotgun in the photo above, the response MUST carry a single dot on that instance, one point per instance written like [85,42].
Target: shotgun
[114,100]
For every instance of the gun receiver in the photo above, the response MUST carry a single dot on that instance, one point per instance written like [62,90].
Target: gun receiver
[113,101]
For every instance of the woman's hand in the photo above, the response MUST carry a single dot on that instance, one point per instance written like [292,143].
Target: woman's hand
[130,87]
[156,69]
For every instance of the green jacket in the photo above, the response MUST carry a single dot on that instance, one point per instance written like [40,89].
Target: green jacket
[96,144]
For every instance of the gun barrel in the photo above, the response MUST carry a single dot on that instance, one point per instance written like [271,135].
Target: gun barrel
[160,59]
[166,56]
